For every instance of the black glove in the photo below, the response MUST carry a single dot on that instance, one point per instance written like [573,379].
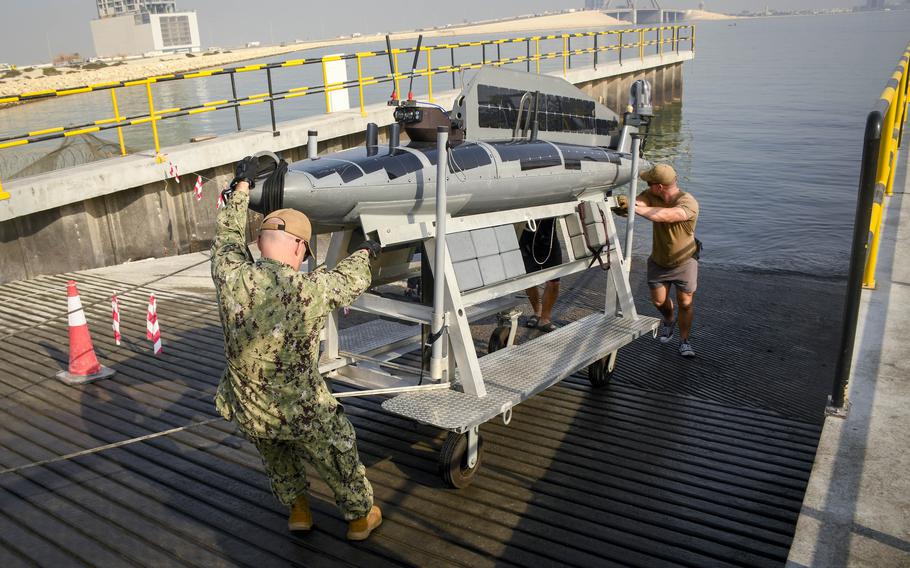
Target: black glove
[621,211]
[372,247]
[246,170]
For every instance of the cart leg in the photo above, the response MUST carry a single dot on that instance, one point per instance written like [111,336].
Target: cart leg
[472,447]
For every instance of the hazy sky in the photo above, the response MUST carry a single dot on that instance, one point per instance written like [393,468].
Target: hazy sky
[33,30]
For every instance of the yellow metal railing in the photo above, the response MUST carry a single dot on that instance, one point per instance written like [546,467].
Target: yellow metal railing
[660,40]
[893,106]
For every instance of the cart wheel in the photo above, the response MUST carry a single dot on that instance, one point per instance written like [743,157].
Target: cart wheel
[600,372]
[453,458]
[498,339]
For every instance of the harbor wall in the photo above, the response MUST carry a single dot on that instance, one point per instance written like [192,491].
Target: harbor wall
[128,208]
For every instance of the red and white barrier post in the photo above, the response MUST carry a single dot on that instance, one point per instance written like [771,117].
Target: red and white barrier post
[151,326]
[115,315]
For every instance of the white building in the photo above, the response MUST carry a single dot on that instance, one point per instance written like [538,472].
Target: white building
[135,27]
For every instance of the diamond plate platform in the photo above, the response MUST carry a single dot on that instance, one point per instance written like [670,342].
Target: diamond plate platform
[517,373]
[366,337]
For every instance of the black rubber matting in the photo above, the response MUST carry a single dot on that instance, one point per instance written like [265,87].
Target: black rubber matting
[691,463]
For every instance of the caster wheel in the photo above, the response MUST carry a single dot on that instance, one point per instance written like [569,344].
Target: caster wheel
[600,372]
[453,460]
[498,339]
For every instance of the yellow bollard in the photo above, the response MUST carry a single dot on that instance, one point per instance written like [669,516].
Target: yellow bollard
[117,118]
[537,53]
[4,194]
[152,119]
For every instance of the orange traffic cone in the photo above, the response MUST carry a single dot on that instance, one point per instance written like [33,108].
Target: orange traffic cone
[84,366]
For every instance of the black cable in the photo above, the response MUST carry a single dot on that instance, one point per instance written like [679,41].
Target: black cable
[273,187]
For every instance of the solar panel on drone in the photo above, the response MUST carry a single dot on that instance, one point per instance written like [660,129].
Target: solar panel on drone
[501,103]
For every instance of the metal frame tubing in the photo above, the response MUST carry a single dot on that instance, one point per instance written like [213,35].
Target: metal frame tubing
[439,279]
[633,193]
[861,238]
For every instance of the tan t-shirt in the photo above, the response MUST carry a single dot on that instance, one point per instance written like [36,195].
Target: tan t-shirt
[673,243]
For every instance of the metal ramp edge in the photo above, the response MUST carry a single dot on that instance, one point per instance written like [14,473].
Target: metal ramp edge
[517,373]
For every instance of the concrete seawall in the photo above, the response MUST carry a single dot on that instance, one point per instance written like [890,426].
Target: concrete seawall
[124,209]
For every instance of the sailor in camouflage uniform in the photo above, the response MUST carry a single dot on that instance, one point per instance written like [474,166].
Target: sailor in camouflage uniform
[272,314]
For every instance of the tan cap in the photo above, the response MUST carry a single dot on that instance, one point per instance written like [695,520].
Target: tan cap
[664,174]
[290,221]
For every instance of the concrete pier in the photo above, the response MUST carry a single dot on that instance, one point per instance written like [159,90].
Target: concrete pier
[123,209]
[857,506]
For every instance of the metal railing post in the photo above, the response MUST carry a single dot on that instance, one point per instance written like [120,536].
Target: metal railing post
[117,118]
[152,119]
[395,71]
[537,53]
[483,53]
[641,44]
[236,107]
[864,204]
[620,47]
[452,55]
[363,111]
[528,54]
[429,74]
[268,76]
[595,50]
[565,55]
[498,52]
[569,51]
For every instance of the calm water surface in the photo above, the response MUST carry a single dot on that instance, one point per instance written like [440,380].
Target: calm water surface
[768,136]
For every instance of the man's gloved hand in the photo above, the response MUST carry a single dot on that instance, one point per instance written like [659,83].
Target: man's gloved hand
[246,170]
[371,246]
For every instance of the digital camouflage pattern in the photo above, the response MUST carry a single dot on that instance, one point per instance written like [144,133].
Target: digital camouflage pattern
[271,315]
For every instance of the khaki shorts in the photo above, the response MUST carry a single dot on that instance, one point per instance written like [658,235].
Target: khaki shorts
[684,276]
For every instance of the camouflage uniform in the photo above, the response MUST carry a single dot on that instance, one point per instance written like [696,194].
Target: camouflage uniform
[272,315]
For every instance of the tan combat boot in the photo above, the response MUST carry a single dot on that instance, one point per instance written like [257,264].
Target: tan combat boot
[360,529]
[301,518]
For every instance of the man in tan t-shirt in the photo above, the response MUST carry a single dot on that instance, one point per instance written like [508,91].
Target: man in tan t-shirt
[674,214]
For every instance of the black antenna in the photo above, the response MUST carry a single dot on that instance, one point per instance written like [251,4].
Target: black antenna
[414,66]
[388,44]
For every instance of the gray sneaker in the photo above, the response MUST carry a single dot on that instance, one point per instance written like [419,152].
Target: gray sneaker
[666,331]
[686,350]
